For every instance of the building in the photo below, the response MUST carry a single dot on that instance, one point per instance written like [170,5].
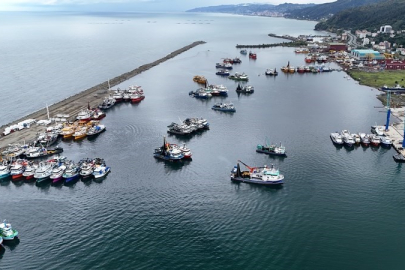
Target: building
[366,55]
[386,29]
[366,41]
[337,47]
[392,64]
[344,36]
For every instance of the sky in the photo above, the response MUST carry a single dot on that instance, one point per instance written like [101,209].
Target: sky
[132,5]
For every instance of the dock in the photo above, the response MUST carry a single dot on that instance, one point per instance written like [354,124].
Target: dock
[72,105]
[396,130]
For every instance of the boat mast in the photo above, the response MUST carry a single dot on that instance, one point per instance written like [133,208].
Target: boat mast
[47,111]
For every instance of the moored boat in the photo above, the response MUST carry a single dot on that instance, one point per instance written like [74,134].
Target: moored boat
[167,153]
[336,138]
[271,72]
[86,170]
[57,173]
[385,141]
[271,149]
[224,107]
[95,131]
[43,172]
[374,140]
[252,56]
[4,170]
[7,232]
[248,89]
[356,138]
[244,52]
[222,72]
[239,77]
[199,79]
[29,171]
[257,175]
[17,169]
[365,139]
[224,65]
[347,138]
[71,172]
[101,171]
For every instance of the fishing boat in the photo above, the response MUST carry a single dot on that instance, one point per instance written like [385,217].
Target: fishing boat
[385,141]
[399,158]
[67,131]
[364,139]
[86,170]
[200,123]
[347,138]
[94,131]
[44,152]
[80,133]
[57,173]
[85,115]
[397,88]
[252,56]
[107,103]
[236,60]
[199,79]
[222,72]
[180,129]
[271,149]
[239,77]
[224,107]
[136,97]
[244,52]
[248,89]
[374,140]
[118,95]
[167,153]
[257,175]
[7,232]
[98,115]
[224,65]
[184,150]
[378,130]
[336,138]
[29,171]
[201,93]
[71,173]
[356,138]
[43,172]
[17,169]
[4,170]
[100,171]
[271,72]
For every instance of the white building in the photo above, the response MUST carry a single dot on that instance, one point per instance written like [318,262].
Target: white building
[386,29]
[366,41]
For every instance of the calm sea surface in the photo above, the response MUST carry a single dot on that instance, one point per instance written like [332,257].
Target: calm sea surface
[338,208]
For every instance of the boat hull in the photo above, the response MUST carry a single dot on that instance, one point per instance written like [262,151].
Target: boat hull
[256,181]
[16,177]
[3,176]
[70,179]
[271,153]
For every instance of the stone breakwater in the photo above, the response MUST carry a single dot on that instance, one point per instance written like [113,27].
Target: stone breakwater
[73,104]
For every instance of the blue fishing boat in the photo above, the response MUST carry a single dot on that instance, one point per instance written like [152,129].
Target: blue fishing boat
[71,173]
[244,52]
[167,152]
[224,107]
[4,170]
[222,72]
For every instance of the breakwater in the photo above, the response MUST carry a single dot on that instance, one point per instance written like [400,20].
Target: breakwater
[75,103]
[297,43]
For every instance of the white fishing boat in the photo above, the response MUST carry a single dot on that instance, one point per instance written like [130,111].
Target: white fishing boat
[347,138]
[100,171]
[336,138]
[7,232]
[257,175]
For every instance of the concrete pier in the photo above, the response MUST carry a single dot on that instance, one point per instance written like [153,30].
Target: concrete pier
[396,131]
[73,104]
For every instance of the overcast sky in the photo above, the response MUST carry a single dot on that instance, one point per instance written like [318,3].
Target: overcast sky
[131,5]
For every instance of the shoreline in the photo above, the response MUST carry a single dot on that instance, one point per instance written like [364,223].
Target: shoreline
[73,104]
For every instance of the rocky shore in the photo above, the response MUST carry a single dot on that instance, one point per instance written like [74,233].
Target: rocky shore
[73,104]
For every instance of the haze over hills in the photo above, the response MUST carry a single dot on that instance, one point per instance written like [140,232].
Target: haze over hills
[252,9]
[324,11]
[369,17]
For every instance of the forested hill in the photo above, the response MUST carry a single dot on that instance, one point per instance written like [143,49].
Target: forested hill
[323,11]
[252,9]
[369,17]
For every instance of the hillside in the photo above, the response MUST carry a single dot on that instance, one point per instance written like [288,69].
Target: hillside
[369,17]
[252,9]
[323,11]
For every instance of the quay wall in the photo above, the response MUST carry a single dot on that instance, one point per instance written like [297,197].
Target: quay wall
[95,94]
